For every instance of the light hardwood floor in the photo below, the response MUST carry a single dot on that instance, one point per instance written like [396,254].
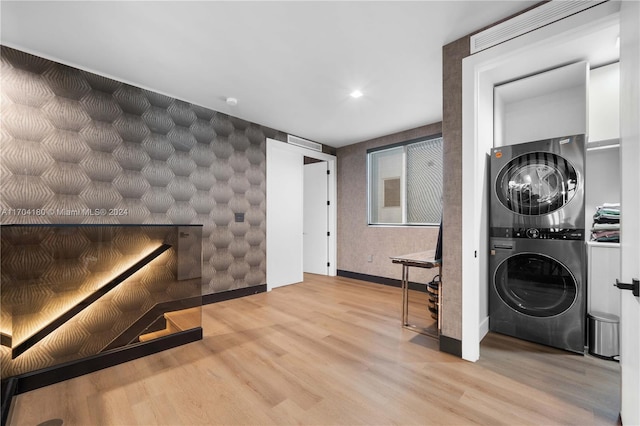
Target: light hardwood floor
[330,351]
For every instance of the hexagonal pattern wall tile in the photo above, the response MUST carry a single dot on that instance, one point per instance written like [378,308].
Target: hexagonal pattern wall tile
[75,142]
[82,148]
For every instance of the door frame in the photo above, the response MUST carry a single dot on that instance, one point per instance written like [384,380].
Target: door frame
[537,51]
[273,146]
[630,204]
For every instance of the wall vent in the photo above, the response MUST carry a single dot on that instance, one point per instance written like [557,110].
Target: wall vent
[294,140]
[533,19]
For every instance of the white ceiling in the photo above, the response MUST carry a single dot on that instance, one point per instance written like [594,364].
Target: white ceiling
[291,65]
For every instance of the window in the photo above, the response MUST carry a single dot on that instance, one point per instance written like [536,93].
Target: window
[405,183]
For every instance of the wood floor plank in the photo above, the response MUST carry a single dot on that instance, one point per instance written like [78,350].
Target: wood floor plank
[331,351]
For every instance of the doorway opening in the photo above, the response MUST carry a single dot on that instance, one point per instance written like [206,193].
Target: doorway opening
[315,217]
[301,213]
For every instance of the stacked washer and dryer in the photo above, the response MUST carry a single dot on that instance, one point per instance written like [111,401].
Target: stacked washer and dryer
[537,242]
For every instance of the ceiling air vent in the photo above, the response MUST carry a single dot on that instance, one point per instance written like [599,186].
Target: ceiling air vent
[294,140]
[528,21]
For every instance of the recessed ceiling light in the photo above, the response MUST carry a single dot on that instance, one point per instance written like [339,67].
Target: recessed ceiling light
[356,94]
[232,101]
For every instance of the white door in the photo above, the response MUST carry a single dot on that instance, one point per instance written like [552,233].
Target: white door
[630,209]
[316,225]
[284,215]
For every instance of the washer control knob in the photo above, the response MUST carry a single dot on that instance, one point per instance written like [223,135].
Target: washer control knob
[533,233]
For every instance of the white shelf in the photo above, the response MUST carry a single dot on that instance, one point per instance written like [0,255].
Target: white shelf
[603,144]
[604,102]
[601,244]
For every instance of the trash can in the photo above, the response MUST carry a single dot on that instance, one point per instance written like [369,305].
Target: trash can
[433,289]
[603,332]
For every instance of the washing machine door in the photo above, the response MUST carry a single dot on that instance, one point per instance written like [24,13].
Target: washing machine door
[536,183]
[535,285]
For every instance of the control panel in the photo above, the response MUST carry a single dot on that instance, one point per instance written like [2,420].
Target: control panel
[539,233]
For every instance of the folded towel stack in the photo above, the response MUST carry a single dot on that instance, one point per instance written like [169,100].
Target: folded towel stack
[606,223]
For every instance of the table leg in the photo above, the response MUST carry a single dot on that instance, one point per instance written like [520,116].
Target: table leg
[439,324]
[405,295]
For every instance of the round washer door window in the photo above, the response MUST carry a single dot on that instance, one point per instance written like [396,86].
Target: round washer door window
[536,183]
[535,285]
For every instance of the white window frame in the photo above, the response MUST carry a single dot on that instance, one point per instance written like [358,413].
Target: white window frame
[403,182]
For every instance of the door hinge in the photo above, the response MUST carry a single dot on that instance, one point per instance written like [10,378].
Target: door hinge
[328,172]
[634,286]
[328,234]
[328,203]
[328,264]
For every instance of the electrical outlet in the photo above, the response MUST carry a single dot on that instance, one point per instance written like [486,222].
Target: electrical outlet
[370,258]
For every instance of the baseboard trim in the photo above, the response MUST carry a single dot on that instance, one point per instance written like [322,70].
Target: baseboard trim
[48,376]
[233,294]
[380,280]
[370,278]
[484,328]
[451,346]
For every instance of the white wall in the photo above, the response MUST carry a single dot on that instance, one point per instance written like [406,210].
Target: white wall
[604,103]
[551,104]
[602,173]
[603,147]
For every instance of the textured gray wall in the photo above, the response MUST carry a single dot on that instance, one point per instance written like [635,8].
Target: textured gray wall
[452,56]
[452,53]
[357,240]
[72,142]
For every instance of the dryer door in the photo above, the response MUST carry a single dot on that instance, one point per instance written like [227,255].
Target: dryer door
[535,285]
[536,183]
